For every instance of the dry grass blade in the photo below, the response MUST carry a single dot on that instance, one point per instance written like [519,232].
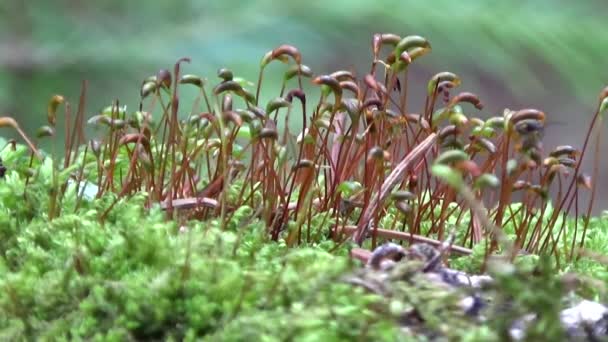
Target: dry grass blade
[190,203]
[391,181]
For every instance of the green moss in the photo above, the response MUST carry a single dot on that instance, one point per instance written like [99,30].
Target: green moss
[137,277]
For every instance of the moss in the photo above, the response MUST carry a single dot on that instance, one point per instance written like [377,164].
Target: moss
[91,248]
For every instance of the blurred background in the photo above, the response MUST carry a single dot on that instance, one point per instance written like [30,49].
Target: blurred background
[546,54]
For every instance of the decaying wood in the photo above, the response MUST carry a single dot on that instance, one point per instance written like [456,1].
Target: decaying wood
[361,254]
[191,203]
[393,234]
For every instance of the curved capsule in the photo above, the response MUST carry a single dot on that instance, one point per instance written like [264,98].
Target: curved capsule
[304,163]
[259,112]
[550,161]
[333,84]
[569,162]
[452,156]
[277,103]
[372,102]
[458,119]
[486,180]
[527,114]
[99,119]
[497,122]
[486,144]
[269,133]
[147,88]
[411,42]
[380,39]
[133,138]
[249,97]
[378,153]
[529,126]
[163,78]
[191,79]
[452,142]
[298,69]
[350,85]
[246,115]
[233,117]
[193,119]
[288,50]
[352,107]
[408,49]
[342,75]
[297,93]
[207,116]
[281,53]
[268,57]
[468,98]
[418,52]
[476,122]
[441,77]
[228,86]
[450,130]
[118,123]
[45,131]
[225,74]
[95,146]
[564,150]
[405,58]
[179,63]
[323,123]
[445,86]
[56,100]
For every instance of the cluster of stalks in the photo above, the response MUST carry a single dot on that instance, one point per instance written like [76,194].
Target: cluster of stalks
[360,151]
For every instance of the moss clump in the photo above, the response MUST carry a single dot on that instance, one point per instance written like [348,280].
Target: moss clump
[140,277]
